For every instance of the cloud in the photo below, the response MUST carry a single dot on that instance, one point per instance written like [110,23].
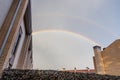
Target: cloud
[67,7]
[87,17]
[58,49]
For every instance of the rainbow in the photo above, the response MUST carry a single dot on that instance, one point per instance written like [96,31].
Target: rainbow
[81,19]
[68,32]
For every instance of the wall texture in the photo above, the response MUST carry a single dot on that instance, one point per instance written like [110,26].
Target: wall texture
[110,60]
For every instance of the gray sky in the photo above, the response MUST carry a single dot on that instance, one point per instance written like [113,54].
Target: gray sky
[59,24]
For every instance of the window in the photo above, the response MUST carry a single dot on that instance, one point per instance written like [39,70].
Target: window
[11,59]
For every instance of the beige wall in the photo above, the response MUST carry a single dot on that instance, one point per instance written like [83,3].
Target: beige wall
[7,49]
[4,8]
[98,59]
[111,58]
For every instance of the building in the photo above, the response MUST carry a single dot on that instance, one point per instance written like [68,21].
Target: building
[15,34]
[87,70]
[108,60]
[81,71]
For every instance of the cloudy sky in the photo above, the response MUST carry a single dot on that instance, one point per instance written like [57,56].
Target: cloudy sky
[64,31]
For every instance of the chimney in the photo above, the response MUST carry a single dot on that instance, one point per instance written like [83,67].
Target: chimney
[98,61]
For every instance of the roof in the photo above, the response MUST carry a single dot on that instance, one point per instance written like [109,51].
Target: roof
[82,71]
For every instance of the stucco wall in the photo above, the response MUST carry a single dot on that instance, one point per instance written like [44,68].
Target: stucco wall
[4,8]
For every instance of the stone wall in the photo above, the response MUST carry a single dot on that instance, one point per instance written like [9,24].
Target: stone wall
[111,58]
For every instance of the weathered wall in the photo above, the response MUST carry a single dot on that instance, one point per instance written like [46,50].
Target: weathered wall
[98,60]
[111,58]
[4,8]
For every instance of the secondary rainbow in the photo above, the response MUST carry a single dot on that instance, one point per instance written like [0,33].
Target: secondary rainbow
[81,19]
